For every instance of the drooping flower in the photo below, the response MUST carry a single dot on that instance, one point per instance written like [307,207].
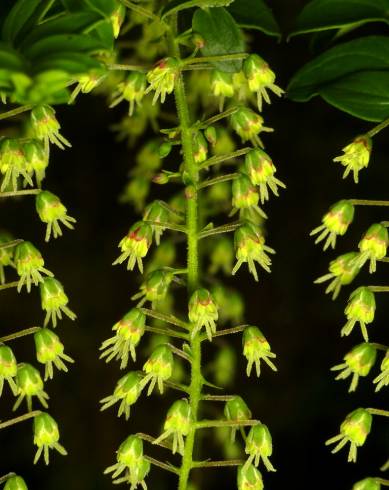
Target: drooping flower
[158,368]
[157,213]
[29,265]
[46,126]
[132,90]
[383,378]
[15,483]
[236,410]
[255,349]
[259,446]
[360,308]
[249,478]
[155,287]
[135,245]
[127,392]
[367,484]
[8,368]
[53,212]
[37,159]
[54,301]
[203,312]
[50,351]
[46,436]
[373,246]
[162,78]
[13,163]
[29,383]
[248,124]
[356,156]
[343,270]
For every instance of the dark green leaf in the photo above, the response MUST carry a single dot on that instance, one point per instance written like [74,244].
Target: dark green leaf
[104,7]
[73,5]
[103,33]
[176,5]
[365,54]
[72,63]
[255,14]
[77,43]
[221,35]
[363,94]
[74,23]
[46,88]
[10,59]
[321,15]
[17,18]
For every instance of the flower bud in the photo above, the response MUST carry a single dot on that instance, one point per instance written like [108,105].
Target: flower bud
[88,82]
[127,392]
[255,348]
[46,127]
[354,429]
[383,378]
[221,84]
[250,247]
[8,368]
[198,41]
[29,265]
[260,78]
[259,445]
[46,436]
[132,90]
[178,423]
[129,330]
[343,270]
[247,124]
[37,159]
[335,222]
[367,484]
[165,149]
[117,18]
[222,256]
[29,383]
[260,169]
[356,156]
[54,301]
[155,286]
[157,213]
[13,163]
[249,478]
[244,194]
[51,211]
[211,135]
[360,308]
[236,410]
[158,367]
[203,312]
[135,245]
[15,483]
[373,246]
[6,254]
[49,351]
[162,78]
[200,147]
[358,362]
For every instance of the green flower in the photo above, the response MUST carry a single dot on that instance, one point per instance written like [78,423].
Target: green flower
[367,484]
[178,423]
[354,429]
[156,212]
[8,369]
[127,392]
[50,351]
[162,78]
[230,303]
[249,478]
[54,301]
[29,265]
[51,211]
[250,247]
[260,78]
[129,330]
[245,195]
[358,362]
[260,169]
[200,147]
[88,82]
[135,245]
[158,368]
[335,223]
[15,483]
[255,349]
[373,246]
[132,90]
[356,156]
[13,163]
[360,308]
[247,124]
[37,159]
[259,445]
[130,459]
[117,18]
[46,126]
[236,410]
[29,383]
[343,270]
[222,256]
[383,378]
[155,287]
[222,86]
[46,436]
[203,312]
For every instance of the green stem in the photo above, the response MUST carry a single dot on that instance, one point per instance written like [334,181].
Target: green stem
[379,346]
[166,331]
[4,478]
[9,285]
[222,158]
[379,289]
[140,10]
[22,418]
[15,112]
[122,67]
[160,464]
[211,59]
[218,180]
[378,128]
[216,118]
[210,424]
[28,192]
[368,202]
[11,244]
[218,398]
[220,229]
[167,226]
[383,482]
[217,464]
[229,331]
[21,333]
[378,411]
[165,318]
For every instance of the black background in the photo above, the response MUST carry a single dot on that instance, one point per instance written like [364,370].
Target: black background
[302,404]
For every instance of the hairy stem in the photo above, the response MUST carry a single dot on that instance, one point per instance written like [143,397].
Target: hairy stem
[21,333]
[378,128]
[15,112]
[22,418]
[4,478]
